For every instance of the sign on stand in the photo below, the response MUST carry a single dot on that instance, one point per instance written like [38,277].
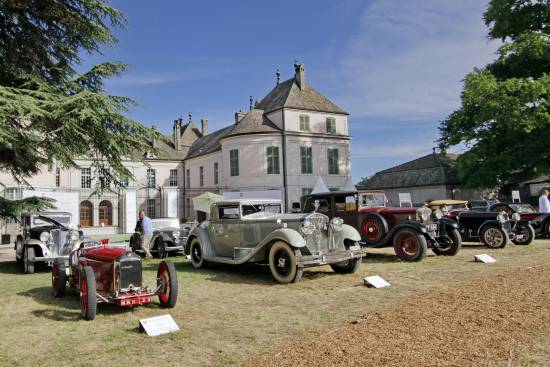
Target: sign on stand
[484,258]
[158,325]
[376,282]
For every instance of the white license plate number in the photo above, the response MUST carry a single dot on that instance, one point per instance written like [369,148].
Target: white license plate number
[519,237]
[432,227]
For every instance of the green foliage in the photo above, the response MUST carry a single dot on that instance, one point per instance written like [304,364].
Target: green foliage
[505,114]
[49,113]
[14,208]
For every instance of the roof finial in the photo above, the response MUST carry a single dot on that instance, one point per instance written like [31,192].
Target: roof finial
[433,150]
[295,63]
[251,102]
[278,74]
[190,116]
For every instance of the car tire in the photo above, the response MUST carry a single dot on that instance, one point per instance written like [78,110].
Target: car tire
[373,228]
[88,299]
[494,236]
[28,260]
[546,229]
[409,245]
[59,278]
[195,254]
[283,263]
[452,248]
[527,231]
[19,249]
[134,243]
[347,267]
[167,278]
[161,248]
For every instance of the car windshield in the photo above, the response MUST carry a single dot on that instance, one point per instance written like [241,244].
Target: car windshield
[165,223]
[63,220]
[263,209]
[372,199]
[523,208]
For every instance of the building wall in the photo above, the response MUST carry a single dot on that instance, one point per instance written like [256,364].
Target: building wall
[317,121]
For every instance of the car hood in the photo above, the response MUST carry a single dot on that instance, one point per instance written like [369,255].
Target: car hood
[284,217]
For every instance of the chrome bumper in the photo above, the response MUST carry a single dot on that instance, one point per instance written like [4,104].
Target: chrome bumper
[330,257]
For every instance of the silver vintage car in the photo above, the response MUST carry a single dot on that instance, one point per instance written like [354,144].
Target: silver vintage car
[168,237]
[241,231]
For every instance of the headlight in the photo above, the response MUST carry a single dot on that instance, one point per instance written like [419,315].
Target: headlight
[516,217]
[176,234]
[336,224]
[424,216]
[502,217]
[307,227]
[44,237]
[75,235]
[438,214]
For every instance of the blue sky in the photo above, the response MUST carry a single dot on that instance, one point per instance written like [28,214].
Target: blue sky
[395,65]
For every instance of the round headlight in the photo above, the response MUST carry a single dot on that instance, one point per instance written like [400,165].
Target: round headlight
[424,215]
[44,236]
[75,235]
[307,227]
[501,217]
[336,224]
[438,214]
[516,217]
[176,234]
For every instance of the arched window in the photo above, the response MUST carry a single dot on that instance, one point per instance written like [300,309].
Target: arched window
[105,213]
[86,214]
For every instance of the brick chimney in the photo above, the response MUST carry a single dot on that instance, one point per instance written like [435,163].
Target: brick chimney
[177,135]
[300,75]
[204,126]
[239,116]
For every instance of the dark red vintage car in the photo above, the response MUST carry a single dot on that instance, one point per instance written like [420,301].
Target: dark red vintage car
[105,273]
[407,230]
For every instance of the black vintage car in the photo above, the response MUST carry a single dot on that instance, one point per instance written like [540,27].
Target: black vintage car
[527,213]
[168,237]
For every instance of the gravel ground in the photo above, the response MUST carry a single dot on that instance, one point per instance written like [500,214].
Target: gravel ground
[491,321]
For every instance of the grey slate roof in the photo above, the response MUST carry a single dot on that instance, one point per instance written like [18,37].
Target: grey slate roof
[253,122]
[209,143]
[432,169]
[288,94]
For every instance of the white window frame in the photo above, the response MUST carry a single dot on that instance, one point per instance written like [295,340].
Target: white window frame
[151,178]
[173,179]
[86,178]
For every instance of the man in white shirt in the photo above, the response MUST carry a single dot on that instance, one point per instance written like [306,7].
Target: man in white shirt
[544,203]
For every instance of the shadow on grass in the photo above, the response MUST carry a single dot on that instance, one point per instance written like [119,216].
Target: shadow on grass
[11,267]
[375,257]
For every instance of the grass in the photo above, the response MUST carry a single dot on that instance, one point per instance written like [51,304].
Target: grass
[226,313]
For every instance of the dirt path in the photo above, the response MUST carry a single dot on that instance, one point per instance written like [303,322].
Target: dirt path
[478,323]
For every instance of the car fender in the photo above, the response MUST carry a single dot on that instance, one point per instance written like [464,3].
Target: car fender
[347,233]
[38,245]
[416,226]
[200,233]
[487,223]
[288,235]
[447,222]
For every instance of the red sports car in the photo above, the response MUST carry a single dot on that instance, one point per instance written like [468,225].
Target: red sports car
[105,273]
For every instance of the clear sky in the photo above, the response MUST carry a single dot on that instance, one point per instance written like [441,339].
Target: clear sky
[395,65]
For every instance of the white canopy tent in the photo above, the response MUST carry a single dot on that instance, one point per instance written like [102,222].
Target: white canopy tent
[320,186]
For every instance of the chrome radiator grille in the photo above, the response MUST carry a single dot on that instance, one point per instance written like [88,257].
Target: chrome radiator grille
[318,240]
[60,242]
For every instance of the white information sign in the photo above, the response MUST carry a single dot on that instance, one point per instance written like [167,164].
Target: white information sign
[158,325]
[376,282]
[484,258]
[172,204]
[130,211]
[64,202]
[405,200]
[515,196]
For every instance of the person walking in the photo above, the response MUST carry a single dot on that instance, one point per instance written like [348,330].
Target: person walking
[544,203]
[145,227]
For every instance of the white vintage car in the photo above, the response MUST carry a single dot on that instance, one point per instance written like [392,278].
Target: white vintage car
[241,231]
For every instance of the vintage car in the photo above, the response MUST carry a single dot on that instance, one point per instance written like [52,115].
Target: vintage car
[43,237]
[528,213]
[241,231]
[481,205]
[382,226]
[492,229]
[104,273]
[168,237]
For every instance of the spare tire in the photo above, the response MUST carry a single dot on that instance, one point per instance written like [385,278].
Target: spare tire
[373,228]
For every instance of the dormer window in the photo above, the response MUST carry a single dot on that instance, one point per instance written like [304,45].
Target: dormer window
[331,125]
[150,155]
[304,123]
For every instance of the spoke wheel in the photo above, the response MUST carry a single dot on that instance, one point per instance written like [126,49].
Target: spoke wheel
[494,237]
[374,228]
[161,248]
[59,278]
[28,260]
[452,246]
[167,279]
[527,232]
[409,245]
[88,299]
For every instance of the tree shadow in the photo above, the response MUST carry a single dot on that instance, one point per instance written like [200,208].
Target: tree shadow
[10,267]
[377,257]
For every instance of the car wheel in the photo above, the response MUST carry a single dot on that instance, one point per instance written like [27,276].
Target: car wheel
[494,236]
[528,233]
[59,278]
[283,264]
[28,260]
[546,229]
[88,300]
[167,279]
[19,251]
[374,228]
[409,245]
[134,243]
[161,248]
[347,267]
[195,252]
[452,247]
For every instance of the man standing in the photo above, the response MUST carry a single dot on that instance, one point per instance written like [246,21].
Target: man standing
[544,203]
[145,226]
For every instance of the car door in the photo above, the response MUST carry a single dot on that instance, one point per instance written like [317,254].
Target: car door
[226,230]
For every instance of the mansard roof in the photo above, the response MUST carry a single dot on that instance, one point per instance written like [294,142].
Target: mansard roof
[209,143]
[289,94]
[254,122]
